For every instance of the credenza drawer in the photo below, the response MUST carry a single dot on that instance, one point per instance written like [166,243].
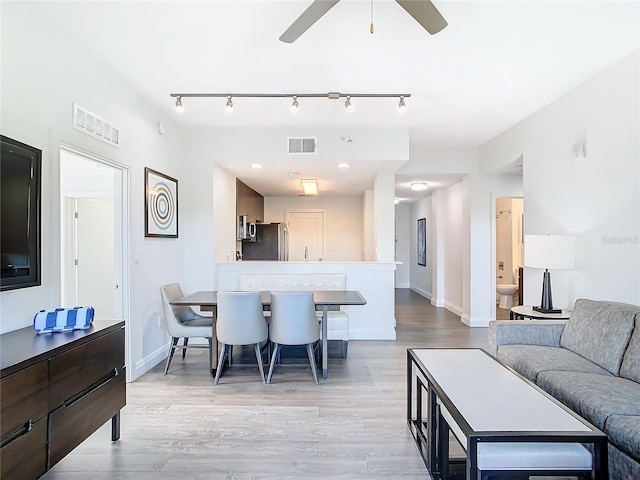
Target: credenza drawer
[77,369]
[71,424]
[23,397]
[26,456]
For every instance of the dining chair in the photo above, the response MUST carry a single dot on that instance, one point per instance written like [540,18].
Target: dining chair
[293,322]
[186,314]
[240,321]
[183,322]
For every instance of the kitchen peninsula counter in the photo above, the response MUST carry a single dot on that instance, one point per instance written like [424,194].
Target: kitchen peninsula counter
[374,280]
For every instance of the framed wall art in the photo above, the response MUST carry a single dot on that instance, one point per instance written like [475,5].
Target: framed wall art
[422,241]
[160,205]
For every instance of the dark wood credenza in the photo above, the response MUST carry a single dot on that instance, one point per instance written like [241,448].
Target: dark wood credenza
[56,390]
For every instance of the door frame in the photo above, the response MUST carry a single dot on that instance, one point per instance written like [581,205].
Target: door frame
[494,255]
[122,214]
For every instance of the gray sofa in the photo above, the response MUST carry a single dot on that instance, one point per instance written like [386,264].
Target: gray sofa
[591,363]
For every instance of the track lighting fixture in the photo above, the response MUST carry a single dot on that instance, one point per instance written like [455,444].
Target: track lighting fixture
[295,96]
[401,105]
[348,105]
[179,107]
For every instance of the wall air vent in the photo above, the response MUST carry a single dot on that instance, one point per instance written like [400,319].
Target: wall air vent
[302,145]
[95,126]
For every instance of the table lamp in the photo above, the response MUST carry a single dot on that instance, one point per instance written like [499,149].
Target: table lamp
[548,252]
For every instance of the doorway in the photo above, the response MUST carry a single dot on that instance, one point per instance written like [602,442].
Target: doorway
[508,253]
[94,206]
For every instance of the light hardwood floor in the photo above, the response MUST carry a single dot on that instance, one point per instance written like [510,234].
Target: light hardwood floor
[350,427]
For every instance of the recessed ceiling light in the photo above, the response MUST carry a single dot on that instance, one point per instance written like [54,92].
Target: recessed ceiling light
[343,165]
[257,166]
[419,186]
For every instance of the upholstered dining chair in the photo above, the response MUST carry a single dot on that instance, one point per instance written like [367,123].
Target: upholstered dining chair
[293,322]
[240,321]
[183,322]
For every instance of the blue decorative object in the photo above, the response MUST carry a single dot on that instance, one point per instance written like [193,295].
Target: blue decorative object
[63,319]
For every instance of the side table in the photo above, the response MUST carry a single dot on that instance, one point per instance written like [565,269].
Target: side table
[521,312]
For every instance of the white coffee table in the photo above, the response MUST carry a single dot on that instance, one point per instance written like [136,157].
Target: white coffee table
[496,415]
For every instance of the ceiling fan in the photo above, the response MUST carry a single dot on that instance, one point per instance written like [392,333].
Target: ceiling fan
[424,11]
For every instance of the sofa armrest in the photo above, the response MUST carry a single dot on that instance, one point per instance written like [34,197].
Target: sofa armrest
[524,332]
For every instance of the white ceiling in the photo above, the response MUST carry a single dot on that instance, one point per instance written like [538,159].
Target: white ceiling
[496,63]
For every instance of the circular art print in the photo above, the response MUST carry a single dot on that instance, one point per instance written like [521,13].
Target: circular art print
[161,205]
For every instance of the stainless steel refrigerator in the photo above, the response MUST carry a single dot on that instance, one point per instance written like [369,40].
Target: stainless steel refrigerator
[271,243]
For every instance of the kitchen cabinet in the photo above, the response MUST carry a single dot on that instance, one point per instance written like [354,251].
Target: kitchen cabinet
[57,389]
[249,202]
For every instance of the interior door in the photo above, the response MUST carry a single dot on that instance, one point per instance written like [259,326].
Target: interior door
[306,235]
[94,240]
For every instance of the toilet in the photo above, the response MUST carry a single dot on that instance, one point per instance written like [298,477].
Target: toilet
[506,291]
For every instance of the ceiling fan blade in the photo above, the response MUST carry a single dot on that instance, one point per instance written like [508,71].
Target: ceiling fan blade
[425,13]
[310,16]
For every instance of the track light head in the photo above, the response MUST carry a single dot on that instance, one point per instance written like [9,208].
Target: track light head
[229,106]
[294,104]
[401,105]
[179,107]
[348,105]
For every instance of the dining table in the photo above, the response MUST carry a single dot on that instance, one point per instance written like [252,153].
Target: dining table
[325,301]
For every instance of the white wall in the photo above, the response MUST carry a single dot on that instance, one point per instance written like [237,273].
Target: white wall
[596,199]
[403,247]
[420,275]
[342,222]
[368,227]
[384,212]
[452,211]
[42,75]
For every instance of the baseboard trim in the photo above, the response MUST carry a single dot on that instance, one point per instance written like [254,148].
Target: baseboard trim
[421,291]
[474,322]
[453,308]
[148,362]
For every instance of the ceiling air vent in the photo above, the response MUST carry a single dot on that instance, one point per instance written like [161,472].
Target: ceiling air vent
[302,145]
[95,126]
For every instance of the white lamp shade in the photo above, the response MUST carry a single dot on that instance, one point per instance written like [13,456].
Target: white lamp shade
[549,251]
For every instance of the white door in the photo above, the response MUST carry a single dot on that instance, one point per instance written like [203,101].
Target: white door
[306,236]
[96,282]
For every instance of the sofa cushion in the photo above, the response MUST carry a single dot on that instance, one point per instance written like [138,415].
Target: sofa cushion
[624,433]
[530,360]
[600,331]
[630,367]
[594,397]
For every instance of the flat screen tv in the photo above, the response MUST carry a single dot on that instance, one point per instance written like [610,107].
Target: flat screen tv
[20,167]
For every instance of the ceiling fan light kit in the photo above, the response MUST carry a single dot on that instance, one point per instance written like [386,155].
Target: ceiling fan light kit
[423,11]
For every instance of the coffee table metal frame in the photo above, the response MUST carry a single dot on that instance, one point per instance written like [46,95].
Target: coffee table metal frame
[431,432]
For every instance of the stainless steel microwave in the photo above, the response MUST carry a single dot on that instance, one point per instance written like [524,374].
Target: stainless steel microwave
[246,229]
